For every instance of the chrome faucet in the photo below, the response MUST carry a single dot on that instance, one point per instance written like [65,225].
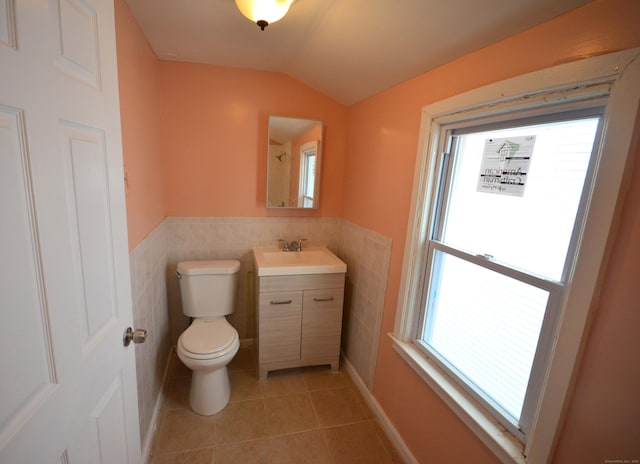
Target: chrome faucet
[294,245]
[285,246]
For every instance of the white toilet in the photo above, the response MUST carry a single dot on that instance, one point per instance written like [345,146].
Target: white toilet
[210,342]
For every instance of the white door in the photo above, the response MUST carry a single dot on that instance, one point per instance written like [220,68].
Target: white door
[67,383]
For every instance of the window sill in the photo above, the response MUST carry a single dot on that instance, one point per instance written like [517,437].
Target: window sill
[503,444]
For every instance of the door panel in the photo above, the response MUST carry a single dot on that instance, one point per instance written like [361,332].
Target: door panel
[7,24]
[28,378]
[108,416]
[87,192]
[75,26]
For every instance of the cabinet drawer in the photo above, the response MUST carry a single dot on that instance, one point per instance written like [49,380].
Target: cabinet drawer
[279,323]
[321,323]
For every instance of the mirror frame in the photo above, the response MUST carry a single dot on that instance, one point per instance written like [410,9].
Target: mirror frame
[285,171]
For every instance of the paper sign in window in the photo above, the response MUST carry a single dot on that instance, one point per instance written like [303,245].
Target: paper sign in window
[505,165]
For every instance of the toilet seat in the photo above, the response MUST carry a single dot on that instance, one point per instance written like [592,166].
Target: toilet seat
[208,339]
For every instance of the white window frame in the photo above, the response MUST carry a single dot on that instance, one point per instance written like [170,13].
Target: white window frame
[615,74]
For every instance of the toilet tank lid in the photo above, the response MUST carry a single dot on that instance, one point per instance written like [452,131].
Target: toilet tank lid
[208,267]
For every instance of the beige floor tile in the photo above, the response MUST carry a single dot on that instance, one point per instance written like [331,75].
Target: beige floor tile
[199,456]
[246,452]
[182,429]
[244,385]
[355,444]
[241,421]
[283,382]
[322,378]
[177,368]
[272,421]
[338,406]
[288,414]
[300,448]
[177,396]
[363,403]
[243,360]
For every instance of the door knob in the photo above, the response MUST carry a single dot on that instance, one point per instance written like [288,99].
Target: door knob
[137,336]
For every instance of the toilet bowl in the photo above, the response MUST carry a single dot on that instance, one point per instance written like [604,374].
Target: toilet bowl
[206,348]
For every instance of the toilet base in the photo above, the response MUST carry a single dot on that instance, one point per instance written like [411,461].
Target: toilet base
[210,391]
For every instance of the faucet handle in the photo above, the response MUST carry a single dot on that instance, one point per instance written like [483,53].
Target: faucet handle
[297,244]
[285,247]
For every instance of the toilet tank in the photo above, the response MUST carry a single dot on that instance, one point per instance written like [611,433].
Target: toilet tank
[208,288]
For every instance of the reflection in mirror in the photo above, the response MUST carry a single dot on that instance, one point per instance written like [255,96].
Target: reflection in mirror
[293,166]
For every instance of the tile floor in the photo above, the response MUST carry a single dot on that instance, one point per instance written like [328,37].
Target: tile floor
[296,416]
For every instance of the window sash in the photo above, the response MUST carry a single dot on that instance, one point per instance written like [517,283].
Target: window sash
[554,289]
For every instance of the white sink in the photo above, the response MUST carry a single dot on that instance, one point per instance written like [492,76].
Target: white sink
[271,261]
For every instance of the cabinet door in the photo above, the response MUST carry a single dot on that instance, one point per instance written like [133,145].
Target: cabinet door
[279,328]
[322,324]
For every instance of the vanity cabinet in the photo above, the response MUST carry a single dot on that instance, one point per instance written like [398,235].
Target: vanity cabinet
[299,321]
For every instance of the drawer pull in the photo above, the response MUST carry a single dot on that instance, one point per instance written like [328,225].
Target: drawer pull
[323,299]
[280,302]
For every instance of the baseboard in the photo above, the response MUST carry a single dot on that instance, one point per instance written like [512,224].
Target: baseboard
[153,425]
[386,424]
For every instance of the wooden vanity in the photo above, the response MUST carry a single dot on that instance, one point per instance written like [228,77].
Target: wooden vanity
[298,321]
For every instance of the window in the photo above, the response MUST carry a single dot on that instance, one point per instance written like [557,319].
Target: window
[498,257]
[514,196]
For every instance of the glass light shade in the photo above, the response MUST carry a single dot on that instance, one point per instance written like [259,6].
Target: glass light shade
[264,10]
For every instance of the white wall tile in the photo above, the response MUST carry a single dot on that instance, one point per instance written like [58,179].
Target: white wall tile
[150,311]
[367,255]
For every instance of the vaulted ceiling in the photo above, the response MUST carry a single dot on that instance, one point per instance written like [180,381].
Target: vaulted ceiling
[347,49]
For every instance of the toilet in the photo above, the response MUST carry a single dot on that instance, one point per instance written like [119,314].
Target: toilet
[208,292]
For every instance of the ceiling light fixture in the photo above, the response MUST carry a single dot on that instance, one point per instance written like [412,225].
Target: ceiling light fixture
[264,12]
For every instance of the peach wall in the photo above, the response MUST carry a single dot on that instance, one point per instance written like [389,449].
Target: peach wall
[214,124]
[382,143]
[138,76]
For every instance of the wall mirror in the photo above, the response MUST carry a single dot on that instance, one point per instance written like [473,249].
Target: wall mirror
[293,162]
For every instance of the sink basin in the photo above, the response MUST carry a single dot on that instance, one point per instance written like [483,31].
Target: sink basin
[272,261]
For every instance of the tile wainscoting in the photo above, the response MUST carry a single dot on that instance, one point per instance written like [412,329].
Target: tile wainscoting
[156,295]
[148,264]
[367,255]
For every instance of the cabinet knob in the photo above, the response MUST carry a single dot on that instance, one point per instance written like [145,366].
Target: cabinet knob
[280,302]
[323,299]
